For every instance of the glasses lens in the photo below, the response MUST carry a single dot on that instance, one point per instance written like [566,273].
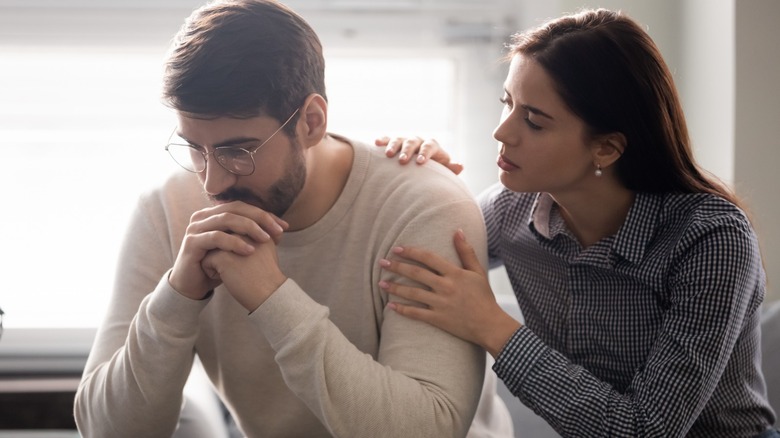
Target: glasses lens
[187,157]
[235,160]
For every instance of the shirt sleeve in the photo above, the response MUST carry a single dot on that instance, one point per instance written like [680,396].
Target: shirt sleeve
[487,203]
[423,383]
[712,286]
[143,352]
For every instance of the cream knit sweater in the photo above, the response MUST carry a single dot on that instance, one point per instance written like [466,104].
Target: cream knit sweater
[322,356]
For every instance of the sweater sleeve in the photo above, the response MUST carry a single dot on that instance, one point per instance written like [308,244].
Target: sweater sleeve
[423,382]
[143,352]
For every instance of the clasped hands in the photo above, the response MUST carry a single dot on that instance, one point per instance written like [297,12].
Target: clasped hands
[232,244]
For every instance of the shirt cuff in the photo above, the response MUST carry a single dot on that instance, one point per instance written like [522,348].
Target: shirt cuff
[519,357]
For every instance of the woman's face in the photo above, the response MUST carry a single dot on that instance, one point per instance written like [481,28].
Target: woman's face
[543,145]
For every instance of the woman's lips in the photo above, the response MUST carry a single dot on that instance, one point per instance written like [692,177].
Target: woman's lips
[505,164]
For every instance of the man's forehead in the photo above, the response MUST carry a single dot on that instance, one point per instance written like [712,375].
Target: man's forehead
[221,130]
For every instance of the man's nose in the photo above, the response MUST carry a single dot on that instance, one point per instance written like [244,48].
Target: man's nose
[216,179]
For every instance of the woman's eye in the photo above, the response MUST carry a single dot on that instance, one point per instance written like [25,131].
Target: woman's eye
[505,101]
[531,124]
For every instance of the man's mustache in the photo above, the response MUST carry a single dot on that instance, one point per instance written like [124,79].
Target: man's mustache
[233,194]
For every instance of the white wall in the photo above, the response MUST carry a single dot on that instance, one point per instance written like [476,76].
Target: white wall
[757,124]
[707,82]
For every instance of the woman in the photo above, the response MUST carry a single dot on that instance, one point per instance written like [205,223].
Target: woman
[639,277]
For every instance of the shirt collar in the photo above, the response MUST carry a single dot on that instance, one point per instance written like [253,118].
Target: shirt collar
[540,214]
[631,240]
[634,236]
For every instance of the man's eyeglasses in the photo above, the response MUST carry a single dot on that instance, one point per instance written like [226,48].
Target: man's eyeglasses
[236,160]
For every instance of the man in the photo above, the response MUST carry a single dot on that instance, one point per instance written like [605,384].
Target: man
[264,259]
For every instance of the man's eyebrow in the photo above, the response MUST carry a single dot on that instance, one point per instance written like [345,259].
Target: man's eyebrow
[228,142]
[535,110]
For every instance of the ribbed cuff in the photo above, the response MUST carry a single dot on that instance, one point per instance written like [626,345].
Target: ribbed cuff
[286,309]
[174,309]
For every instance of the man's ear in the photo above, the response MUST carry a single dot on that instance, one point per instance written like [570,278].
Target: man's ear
[607,148]
[313,123]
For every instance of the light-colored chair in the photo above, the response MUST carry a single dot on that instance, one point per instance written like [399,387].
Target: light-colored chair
[201,411]
[526,422]
[770,352]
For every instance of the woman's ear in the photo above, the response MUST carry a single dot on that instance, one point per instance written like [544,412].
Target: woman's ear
[313,123]
[607,148]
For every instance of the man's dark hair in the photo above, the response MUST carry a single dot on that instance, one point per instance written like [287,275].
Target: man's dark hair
[243,59]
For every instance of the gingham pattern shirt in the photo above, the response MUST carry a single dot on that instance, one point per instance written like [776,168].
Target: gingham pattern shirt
[651,332]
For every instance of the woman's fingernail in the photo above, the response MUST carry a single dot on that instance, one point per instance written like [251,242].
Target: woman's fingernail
[383,284]
[398,250]
[420,159]
[402,157]
[384,263]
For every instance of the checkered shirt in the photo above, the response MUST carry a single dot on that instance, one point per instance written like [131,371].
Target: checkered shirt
[653,331]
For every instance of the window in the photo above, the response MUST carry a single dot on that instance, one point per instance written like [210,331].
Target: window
[370,96]
[83,130]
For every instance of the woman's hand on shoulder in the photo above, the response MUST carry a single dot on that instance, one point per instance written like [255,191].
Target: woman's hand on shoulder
[425,150]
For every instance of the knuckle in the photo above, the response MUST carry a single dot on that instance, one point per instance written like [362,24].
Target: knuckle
[415,270]
[189,240]
[198,216]
[447,285]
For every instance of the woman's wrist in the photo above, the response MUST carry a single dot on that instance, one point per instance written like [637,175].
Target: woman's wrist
[499,333]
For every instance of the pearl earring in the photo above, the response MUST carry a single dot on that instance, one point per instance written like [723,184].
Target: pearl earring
[598,171]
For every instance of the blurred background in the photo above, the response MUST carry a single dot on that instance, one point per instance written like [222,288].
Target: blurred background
[82,128]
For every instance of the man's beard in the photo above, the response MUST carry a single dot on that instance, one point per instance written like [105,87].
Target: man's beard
[281,194]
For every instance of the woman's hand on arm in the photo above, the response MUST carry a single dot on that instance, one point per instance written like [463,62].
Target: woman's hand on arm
[425,149]
[460,300]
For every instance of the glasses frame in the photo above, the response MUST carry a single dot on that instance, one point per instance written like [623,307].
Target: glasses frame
[251,151]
